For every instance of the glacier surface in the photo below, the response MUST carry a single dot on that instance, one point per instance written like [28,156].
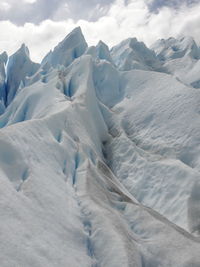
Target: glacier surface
[100,155]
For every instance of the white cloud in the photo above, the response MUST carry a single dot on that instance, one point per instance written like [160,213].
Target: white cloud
[30,1]
[121,21]
[5,6]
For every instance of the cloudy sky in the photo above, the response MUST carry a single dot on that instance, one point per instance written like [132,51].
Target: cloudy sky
[41,24]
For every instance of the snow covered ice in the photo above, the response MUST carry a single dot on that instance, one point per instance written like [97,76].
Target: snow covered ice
[100,155]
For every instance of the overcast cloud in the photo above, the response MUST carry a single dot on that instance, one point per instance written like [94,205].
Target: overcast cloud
[41,24]
[155,5]
[36,11]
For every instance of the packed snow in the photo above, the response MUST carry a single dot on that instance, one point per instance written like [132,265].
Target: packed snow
[100,155]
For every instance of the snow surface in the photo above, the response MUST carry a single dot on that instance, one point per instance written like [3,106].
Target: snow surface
[100,156]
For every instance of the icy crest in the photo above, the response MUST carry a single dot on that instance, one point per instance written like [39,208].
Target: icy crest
[176,48]
[72,47]
[101,51]
[180,57]
[131,54]
[19,67]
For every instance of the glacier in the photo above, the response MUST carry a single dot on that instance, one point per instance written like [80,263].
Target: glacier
[100,155]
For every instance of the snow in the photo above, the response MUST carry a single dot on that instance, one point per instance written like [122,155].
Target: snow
[99,166]
[193,209]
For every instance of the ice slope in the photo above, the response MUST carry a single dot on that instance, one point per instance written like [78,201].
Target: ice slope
[155,152]
[89,158]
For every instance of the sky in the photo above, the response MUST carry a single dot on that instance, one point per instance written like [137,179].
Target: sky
[41,24]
